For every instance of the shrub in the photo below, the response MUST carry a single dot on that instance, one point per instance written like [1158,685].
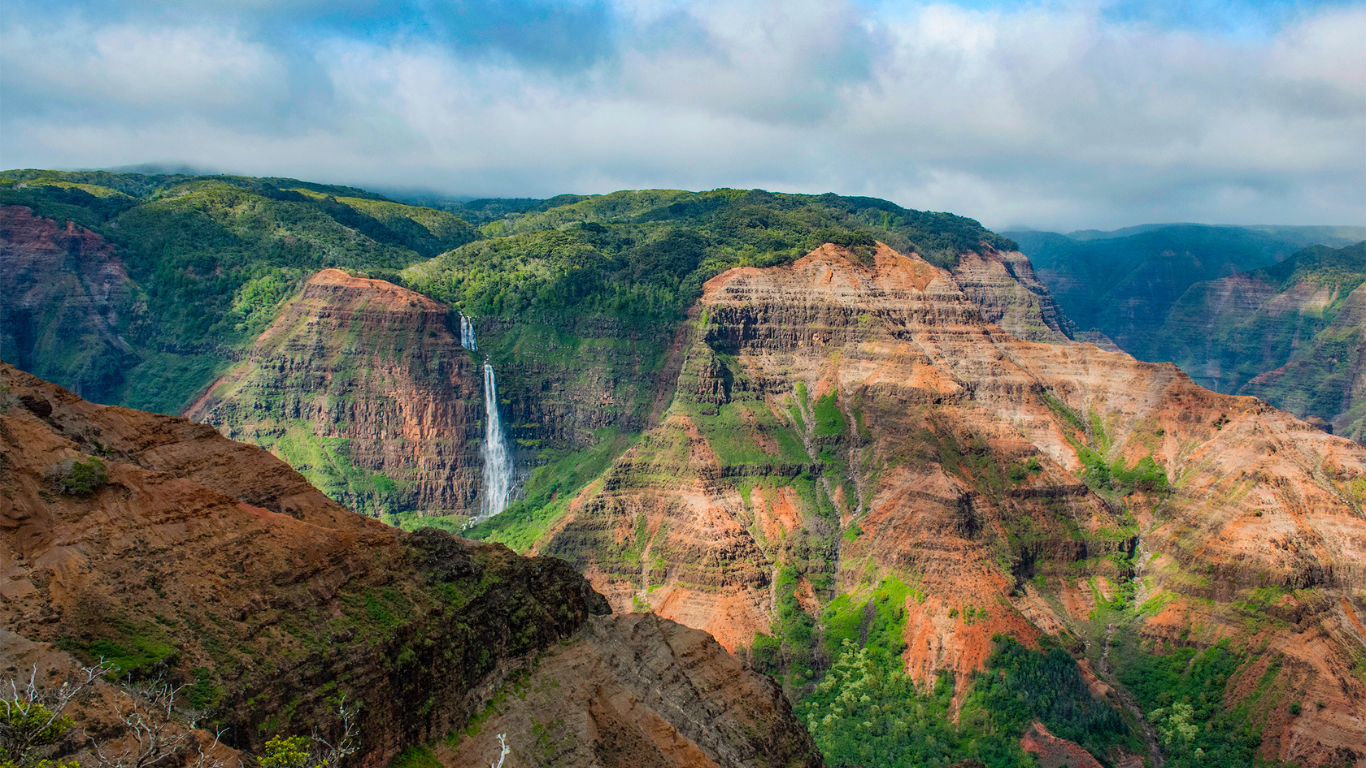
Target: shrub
[80,478]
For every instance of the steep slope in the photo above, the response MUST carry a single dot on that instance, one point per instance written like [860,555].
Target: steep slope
[159,545]
[853,450]
[361,386]
[656,694]
[1004,286]
[1124,286]
[1326,378]
[1215,301]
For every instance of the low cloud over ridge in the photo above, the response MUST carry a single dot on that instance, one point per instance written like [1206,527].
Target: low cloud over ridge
[1050,115]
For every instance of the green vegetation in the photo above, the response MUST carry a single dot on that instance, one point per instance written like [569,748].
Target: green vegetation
[644,255]
[1125,284]
[1184,693]
[326,463]
[547,495]
[569,292]
[1214,301]
[1021,686]
[1116,477]
[865,710]
[830,420]
[29,730]
[81,478]
[419,756]
[129,648]
[211,259]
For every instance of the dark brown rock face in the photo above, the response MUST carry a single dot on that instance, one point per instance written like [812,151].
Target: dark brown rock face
[630,675]
[360,374]
[218,562]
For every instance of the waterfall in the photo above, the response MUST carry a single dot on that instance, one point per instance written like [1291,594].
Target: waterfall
[497,456]
[467,334]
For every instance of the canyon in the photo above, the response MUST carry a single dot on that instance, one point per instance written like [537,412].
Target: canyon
[807,427]
[858,422]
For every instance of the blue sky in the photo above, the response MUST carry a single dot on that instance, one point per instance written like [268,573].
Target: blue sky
[1052,115]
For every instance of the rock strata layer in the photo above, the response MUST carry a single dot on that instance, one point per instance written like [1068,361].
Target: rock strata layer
[362,387]
[67,298]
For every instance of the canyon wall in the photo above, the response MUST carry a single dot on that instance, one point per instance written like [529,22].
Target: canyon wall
[362,387]
[837,423]
[67,300]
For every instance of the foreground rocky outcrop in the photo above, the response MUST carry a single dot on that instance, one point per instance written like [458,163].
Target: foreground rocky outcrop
[179,552]
[611,699]
[838,423]
[362,387]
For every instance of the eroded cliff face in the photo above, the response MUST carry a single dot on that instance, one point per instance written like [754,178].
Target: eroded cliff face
[65,293]
[1004,286]
[838,423]
[362,387]
[217,562]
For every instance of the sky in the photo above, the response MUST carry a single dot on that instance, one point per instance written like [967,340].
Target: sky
[1050,115]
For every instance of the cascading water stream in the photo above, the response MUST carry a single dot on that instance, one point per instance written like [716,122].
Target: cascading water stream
[497,457]
[467,334]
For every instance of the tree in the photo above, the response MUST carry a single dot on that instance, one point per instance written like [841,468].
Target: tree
[33,719]
[158,737]
[316,751]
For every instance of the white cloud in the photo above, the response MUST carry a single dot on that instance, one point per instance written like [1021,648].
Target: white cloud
[188,67]
[1048,116]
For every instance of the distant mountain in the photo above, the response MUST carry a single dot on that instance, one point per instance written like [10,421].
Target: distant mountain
[1226,304]
[822,429]
[1293,334]
[1336,237]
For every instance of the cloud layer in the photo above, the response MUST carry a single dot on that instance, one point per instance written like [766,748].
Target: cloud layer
[1053,116]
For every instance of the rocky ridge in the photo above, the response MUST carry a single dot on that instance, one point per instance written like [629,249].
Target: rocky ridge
[217,563]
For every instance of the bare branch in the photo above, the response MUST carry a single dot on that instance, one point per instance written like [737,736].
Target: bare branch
[503,755]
